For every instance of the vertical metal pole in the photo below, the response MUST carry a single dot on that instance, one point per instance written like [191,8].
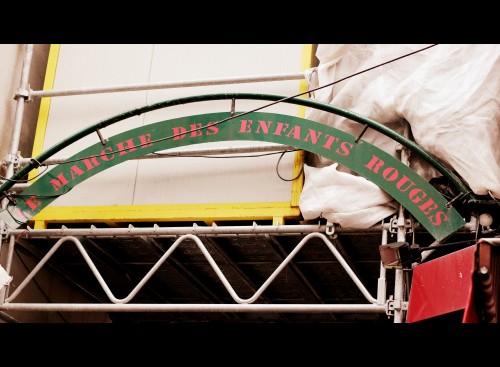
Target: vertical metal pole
[21,97]
[399,280]
[4,292]
[399,285]
[382,284]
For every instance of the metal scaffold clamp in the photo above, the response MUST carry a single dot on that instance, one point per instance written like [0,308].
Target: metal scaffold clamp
[395,305]
[24,93]
[330,229]
[396,222]
[12,159]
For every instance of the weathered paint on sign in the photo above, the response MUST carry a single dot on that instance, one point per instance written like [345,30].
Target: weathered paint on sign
[420,198]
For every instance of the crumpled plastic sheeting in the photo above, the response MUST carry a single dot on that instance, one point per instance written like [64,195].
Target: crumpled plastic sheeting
[446,98]
[328,193]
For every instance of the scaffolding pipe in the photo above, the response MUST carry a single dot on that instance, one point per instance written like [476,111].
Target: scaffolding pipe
[172,154]
[398,275]
[382,281]
[21,97]
[399,285]
[86,307]
[188,153]
[167,85]
[214,230]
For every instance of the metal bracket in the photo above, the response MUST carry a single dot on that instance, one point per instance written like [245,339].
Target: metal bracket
[458,197]
[394,305]
[330,229]
[394,225]
[103,141]
[233,106]
[3,231]
[23,93]
[11,159]
[361,134]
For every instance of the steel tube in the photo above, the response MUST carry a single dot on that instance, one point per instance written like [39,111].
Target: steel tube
[188,153]
[157,231]
[167,85]
[86,307]
[23,87]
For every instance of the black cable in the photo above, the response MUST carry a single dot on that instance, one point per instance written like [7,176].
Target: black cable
[247,156]
[277,171]
[26,180]
[234,156]
[260,108]
[445,245]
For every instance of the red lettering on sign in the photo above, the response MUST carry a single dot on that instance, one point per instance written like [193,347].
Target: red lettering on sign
[429,206]
[401,182]
[438,219]
[264,126]
[59,182]
[90,163]
[76,171]
[145,140]
[416,195]
[345,148]
[295,132]
[106,156]
[126,146]
[281,128]
[212,128]
[195,130]
[390,174]
[375,164]
[329,141]
[313,135]
[179,132]
[245,126]
[33,202]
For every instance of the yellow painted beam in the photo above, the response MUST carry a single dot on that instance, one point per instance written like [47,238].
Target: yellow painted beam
[43,114]
[307,62]
[169,212]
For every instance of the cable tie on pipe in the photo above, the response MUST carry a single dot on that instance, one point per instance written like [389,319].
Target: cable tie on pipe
[35,163]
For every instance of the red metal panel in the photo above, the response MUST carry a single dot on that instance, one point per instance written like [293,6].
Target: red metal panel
[442,285]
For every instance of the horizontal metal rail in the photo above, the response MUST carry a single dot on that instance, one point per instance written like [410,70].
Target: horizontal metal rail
[188,153]
[183,307]
[214,230]
[174,154]
[167,85]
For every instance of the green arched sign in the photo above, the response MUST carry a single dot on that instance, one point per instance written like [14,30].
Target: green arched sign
[420,198]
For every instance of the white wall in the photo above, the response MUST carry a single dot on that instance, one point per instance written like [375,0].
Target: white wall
[180,180]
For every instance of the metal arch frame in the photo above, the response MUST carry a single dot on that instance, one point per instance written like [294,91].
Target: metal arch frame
[36,161]
[123,306]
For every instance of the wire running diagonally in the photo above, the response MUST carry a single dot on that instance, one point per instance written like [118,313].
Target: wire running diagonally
[207,255]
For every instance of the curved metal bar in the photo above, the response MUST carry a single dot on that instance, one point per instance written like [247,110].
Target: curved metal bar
[210,259]
[433,161]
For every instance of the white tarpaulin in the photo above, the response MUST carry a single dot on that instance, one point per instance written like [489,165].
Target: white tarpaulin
[448,96]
